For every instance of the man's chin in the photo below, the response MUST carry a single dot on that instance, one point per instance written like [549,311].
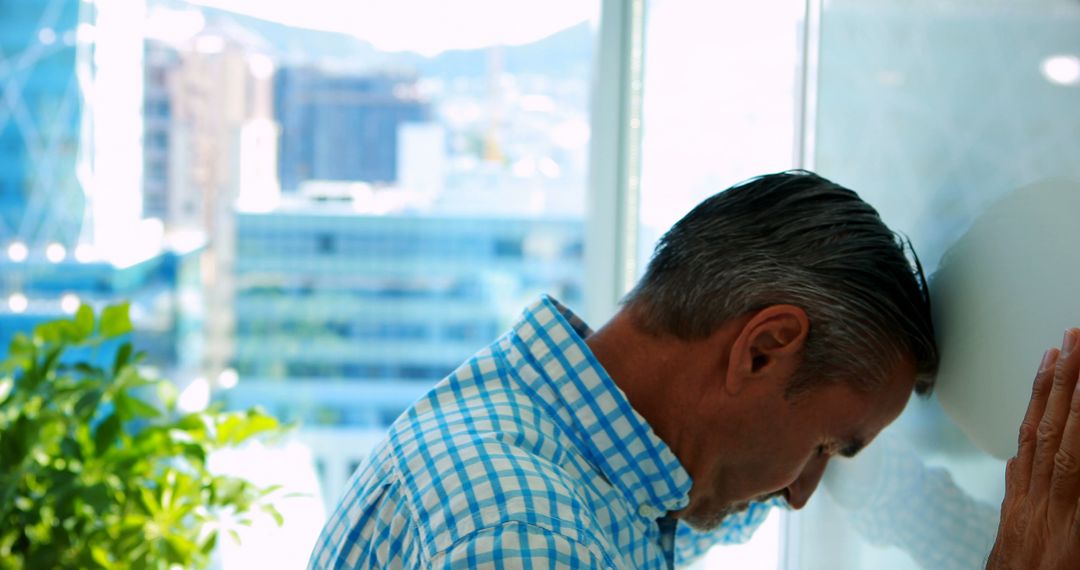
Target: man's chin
[712,521]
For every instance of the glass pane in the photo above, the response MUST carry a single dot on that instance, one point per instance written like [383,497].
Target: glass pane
[719,107]
[932,111]
[720,102]
[320,208]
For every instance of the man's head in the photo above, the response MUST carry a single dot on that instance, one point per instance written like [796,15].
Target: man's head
[795,238]
[803,328]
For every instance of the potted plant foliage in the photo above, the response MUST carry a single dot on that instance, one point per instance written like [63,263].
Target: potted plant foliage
[98,468]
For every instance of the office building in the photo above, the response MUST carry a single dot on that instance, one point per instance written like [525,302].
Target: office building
[209,138]
[71,225]
[342,127]
[41,124]
[327,294]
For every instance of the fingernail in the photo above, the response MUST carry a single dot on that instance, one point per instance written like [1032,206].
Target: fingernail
[1068,342]
[1047,358]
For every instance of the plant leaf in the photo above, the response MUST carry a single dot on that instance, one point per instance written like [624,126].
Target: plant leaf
[84,322]
[167,394]
[123,357]
[141,409]
[273,512]
[100,556]
[180,548]
[115,321]
[195,452]
[97,497]
[88,403]
[149,501]
[211,542]
[15,443]
[71,449]
[195,424]
[106,433]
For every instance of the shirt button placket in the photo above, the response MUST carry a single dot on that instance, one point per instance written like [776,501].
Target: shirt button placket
[668,528]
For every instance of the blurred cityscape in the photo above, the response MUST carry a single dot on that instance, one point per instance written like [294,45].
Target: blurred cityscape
[300,221]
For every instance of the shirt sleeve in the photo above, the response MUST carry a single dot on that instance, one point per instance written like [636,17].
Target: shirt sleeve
[520,546]
[371,528]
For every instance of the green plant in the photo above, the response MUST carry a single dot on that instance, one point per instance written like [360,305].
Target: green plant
[98,469]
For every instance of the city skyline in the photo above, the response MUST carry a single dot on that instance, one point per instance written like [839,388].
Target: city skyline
[351,231]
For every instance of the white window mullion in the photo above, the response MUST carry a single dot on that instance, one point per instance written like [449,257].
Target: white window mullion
[614,159]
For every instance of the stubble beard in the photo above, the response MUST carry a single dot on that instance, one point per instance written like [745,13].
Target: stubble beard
[706,522]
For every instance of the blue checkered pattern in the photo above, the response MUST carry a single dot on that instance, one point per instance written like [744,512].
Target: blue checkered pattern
[527,456]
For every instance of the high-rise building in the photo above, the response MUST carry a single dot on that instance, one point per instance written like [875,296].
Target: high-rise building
[328,294]
[70,123]
[209,139]
[342,127]
[160,64]
[71,226]
[201,93]
[41,123]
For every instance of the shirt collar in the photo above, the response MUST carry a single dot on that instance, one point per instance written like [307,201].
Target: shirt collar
[617,440]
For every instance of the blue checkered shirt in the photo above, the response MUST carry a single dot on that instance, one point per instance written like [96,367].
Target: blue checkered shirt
[527,456]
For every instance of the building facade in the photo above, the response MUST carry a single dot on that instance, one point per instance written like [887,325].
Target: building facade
[342,127]
[71,229]
[331,297]
[41,123]
[208,109]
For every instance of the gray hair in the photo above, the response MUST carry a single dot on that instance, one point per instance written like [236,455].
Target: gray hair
[795,238]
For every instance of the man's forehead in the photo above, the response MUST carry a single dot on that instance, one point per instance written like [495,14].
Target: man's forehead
[867,413]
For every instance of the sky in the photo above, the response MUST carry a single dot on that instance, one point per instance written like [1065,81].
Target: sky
[423,26]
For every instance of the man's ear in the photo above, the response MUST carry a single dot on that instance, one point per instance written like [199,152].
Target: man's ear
[769,346]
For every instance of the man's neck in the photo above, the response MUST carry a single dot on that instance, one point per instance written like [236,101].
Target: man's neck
[650,370]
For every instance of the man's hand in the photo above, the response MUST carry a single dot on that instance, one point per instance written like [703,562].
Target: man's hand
[1040,516]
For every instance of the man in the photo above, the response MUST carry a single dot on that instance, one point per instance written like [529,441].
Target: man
[779,324]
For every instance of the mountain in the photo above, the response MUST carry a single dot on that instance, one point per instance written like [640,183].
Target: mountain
[290,45]
[566,53]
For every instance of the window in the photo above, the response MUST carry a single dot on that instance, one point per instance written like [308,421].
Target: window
[379,198]
[508,247]
[326,244]
[919,112]
[365,186]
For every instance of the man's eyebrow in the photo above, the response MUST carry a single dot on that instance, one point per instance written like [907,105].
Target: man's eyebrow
[853,447]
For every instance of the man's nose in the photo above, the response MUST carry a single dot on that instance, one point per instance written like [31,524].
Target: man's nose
[798,493]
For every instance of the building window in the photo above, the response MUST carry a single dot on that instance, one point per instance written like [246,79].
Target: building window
[508,247]
[326,244]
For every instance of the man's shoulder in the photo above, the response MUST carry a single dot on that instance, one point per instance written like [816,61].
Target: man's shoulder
[483,480]
[479,402]
[471,462]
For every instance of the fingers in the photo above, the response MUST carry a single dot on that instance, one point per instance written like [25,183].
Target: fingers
[1048,435]
[1020,467]
[1065,481]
